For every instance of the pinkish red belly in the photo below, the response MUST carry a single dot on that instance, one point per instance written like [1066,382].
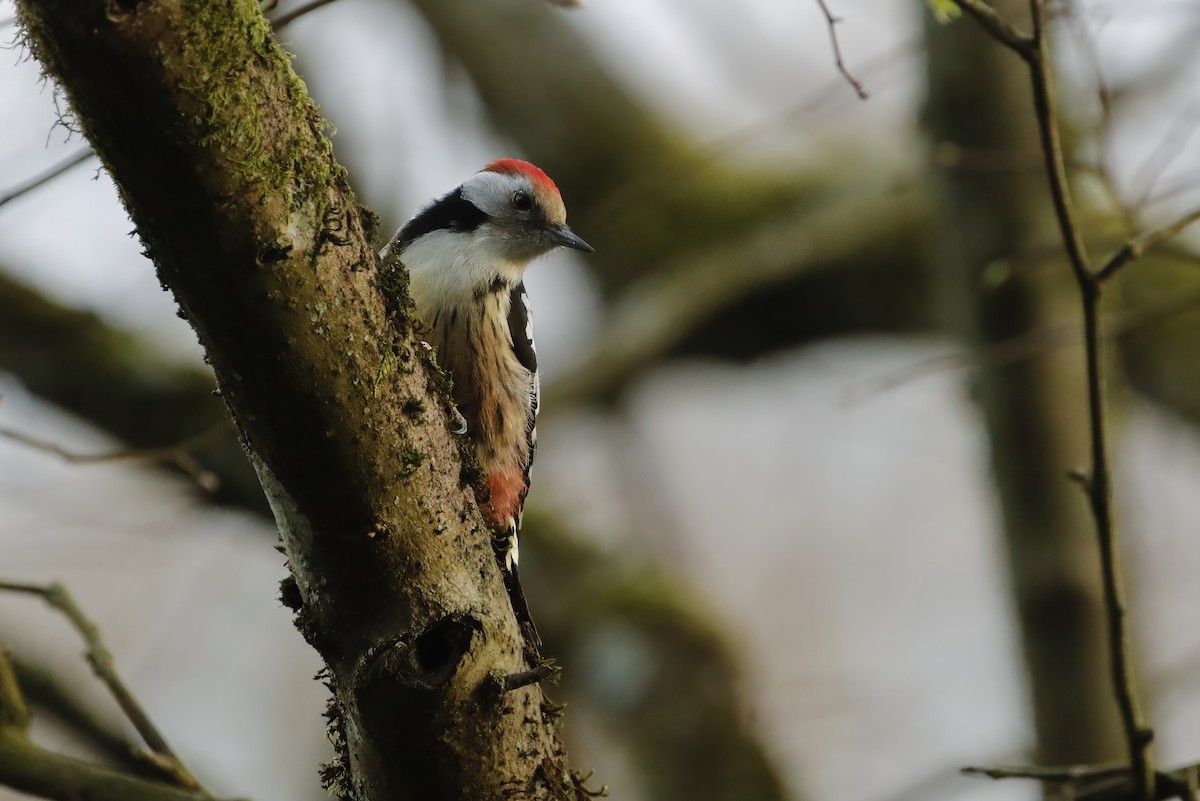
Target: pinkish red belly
[507,493]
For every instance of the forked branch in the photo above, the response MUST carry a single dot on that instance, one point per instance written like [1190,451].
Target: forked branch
[1034,50]
[161,755]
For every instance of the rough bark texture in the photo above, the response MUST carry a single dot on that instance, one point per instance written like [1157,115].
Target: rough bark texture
[991,214]
[223,164]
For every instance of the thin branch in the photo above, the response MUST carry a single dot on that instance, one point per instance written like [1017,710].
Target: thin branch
[1052,150]
[1001,29]
[1138,737]
[831,23]
[1173,142]
[676,176]
[1036,54]
[1063,774]
[658,312]
[1098,782]
[178,454]
[37,771]
[286,19]
[1024,346]
[1134,248]
[102,664]
[49,694]
[545,671]
[1104,126]
[31,769]
[14,712]
[46,177]
[1180,184]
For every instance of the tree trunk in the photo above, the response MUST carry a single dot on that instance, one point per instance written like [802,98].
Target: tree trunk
[992,209]
[223,164]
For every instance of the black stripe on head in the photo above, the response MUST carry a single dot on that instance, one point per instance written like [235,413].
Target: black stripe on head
[452,212]
[519,328]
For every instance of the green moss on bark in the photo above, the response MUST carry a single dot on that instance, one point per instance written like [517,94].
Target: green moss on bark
[225,168]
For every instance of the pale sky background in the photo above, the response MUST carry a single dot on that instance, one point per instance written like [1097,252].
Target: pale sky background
[896,663]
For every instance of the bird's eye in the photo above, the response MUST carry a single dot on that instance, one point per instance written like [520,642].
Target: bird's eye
[522,201]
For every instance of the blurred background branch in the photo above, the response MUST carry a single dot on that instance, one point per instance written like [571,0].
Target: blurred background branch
[98,657]
[719,245]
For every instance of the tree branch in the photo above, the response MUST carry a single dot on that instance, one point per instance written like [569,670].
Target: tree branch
[1134,248]
[1068,773]
[31,769]
[119,382]
[38,181]
[46,177]
[665,308]
[14,713]
[179,454]
[1099,782]
[1138,735]
[1001,29]
[286,19]
[831,23]
[224,167]
[102,664]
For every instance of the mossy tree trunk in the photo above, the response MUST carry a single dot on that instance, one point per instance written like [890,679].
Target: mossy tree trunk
[991,211]
[223,164]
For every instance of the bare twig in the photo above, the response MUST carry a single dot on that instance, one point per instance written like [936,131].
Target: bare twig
[1106,782]
[545,671]
[46,177]
[1067,773]
[1104,125]
[831,23]
[14,713]
[1169,147]
[1134,248]
[178,454]
[655,314]
[1001,29]
[677,176]
[1052,150]
[50,694]
[1137,736]
[286,19]
[1035,52]
[1180,184]
[39,772]
[102,664]
[1025,346]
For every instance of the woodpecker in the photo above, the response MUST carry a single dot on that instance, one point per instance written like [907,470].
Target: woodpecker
[466,255]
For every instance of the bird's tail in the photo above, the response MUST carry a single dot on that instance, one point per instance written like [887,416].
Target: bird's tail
[516,597]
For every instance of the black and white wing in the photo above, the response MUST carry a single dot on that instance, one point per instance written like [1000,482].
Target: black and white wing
[520,328]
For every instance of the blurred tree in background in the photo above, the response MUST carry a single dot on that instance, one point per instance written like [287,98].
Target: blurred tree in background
[887,230]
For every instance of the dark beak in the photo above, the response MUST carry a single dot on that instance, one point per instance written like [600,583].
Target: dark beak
[564,236]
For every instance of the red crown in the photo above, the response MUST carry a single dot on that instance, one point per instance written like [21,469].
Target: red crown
[517,167]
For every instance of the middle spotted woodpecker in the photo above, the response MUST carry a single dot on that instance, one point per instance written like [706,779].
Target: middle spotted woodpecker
[466,255]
